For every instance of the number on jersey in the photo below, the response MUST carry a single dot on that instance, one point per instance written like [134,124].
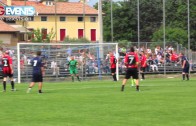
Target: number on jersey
[5,62]
[131,59]
[34,62]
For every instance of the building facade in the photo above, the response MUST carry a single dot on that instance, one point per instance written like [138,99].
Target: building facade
[66,19]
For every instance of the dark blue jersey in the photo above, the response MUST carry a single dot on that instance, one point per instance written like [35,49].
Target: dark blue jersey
[184,58]
[37,64]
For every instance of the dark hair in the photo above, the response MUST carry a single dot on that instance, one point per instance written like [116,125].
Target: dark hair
[132,49]
[39,53]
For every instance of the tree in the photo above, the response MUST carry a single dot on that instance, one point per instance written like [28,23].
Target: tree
[38,36]
[176,35]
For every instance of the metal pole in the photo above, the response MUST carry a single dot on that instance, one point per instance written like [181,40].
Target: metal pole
[84,14]
[100,27]
[18,61]
[138,23]
[188,21]
[56,19]
[112,31]
[164,36]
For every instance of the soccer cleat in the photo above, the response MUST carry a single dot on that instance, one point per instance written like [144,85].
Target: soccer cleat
[28,90]
[13,89]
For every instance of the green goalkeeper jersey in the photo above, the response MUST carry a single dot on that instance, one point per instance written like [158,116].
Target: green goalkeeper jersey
[73,64]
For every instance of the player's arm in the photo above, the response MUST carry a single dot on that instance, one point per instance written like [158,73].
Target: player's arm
[11,66]
[42,68]
[183,63]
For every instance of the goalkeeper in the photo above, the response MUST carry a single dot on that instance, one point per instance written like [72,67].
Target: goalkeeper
[73,68]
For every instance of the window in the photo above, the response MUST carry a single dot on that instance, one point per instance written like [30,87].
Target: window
[31,18]
[62,19]
[80,19]
[43,18]
[92,19]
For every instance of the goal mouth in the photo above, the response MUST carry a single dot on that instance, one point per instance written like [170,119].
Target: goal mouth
[92,58]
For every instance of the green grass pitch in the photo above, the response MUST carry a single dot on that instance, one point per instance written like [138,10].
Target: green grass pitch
[161,102]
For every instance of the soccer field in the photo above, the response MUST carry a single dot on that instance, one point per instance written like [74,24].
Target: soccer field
[161,102]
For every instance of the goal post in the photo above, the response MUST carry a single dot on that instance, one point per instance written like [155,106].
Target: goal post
[91,58]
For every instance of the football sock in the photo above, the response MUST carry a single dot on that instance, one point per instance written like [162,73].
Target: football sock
[40,91]
[137,87]
[122,88]
[72,78]
[132,81]
[4,85]
[143,76]
[78,78]
[114,77]
[12,84]
[183,76]
[187,76]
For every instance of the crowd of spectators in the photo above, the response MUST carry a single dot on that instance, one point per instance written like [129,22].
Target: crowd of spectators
[87,59]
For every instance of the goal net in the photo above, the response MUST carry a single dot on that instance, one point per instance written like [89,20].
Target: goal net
[93,60]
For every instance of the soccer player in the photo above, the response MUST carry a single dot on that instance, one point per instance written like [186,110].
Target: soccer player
[7,70]
[131,62]
[143,61]
[73,68]
[38,72]
[185,66]
[113,62]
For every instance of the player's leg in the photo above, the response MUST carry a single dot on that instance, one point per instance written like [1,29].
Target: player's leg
[142,72]
[127,76]
[40,87]
[113,71]
[12,82]
[123,84]
[77,75]
[183,73]
[4,82]
[30,86]
[136,77]
[187,73]
[72,74]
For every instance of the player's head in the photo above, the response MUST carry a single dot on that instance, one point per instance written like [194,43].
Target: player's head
[72,57]
[181,54]
[111,53]
[7,52]
[38,53]
[132,49]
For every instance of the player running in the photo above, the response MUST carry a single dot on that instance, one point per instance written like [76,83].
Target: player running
[38,72]
[73,68]
[131,62]
[185,66]
[7,70]
[113,62]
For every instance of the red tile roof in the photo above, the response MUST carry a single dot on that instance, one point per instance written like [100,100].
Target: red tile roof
[6,28]
[70,8]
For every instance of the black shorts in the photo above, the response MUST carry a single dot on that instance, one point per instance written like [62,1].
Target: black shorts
[185,70]
[113,70]
[132,72]
[37,78]
[7,75]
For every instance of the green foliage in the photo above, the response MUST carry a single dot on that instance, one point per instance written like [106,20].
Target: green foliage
[75,40]
[151,16]
[177,35]
[38,36]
